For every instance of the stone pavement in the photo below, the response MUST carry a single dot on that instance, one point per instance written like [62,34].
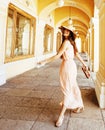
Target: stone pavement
[30,101]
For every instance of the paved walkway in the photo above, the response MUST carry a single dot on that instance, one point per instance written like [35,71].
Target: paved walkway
[31,100]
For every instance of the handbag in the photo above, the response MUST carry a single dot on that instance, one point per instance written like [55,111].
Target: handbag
[86,72]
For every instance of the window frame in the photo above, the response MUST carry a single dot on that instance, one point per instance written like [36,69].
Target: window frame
[17,10]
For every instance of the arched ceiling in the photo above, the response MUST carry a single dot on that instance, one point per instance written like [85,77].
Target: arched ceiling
[72,12]
[80,11]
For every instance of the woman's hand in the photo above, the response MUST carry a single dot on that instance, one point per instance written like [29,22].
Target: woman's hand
[86,71]
[84,66]
[42,62]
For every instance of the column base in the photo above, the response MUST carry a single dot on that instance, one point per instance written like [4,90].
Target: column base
[100,90]
[2,75]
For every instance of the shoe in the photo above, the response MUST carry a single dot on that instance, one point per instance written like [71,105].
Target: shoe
[60,121]
[78,110]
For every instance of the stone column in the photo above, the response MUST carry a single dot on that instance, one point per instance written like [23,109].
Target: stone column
[3,22]
[91,31]
[86,44]
[100,76]
[96,44]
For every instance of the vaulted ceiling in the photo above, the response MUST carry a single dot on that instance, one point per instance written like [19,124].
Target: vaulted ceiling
[80,11]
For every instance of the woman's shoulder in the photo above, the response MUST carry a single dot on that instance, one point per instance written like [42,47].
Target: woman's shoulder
[66,42]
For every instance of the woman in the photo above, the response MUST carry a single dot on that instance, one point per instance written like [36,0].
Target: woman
[68,72]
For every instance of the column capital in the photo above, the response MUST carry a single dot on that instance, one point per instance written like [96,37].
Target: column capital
[3,7]
[99,3]
[4,3]
[91,21]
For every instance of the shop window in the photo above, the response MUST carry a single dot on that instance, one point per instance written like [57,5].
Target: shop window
[58,41]
[20,37]
[48,39]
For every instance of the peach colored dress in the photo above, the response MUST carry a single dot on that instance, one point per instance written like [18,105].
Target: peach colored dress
[68,74]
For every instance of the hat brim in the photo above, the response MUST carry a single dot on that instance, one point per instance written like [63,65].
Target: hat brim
[64,27]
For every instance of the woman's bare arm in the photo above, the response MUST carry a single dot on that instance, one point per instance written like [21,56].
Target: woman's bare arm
[80,59]
[60,52]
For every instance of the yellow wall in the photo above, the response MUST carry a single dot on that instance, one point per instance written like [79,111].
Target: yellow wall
[43,4]
[102,41]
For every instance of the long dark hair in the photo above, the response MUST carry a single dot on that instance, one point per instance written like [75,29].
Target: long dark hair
[71,38]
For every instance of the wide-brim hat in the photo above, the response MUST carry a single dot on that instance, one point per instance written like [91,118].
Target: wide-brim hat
[70,29]
[65,27]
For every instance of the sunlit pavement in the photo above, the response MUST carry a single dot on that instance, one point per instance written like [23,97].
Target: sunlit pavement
[30,101]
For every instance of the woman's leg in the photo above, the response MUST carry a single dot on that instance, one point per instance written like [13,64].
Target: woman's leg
[78,110]
[63,110]
[61,117]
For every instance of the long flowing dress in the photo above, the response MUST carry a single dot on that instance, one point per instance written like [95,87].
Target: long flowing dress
[68,74]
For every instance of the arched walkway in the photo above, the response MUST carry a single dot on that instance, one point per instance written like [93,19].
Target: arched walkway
[29,29]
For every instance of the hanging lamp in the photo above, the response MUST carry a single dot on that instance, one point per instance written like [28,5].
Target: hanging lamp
[70,20]
[60,3]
